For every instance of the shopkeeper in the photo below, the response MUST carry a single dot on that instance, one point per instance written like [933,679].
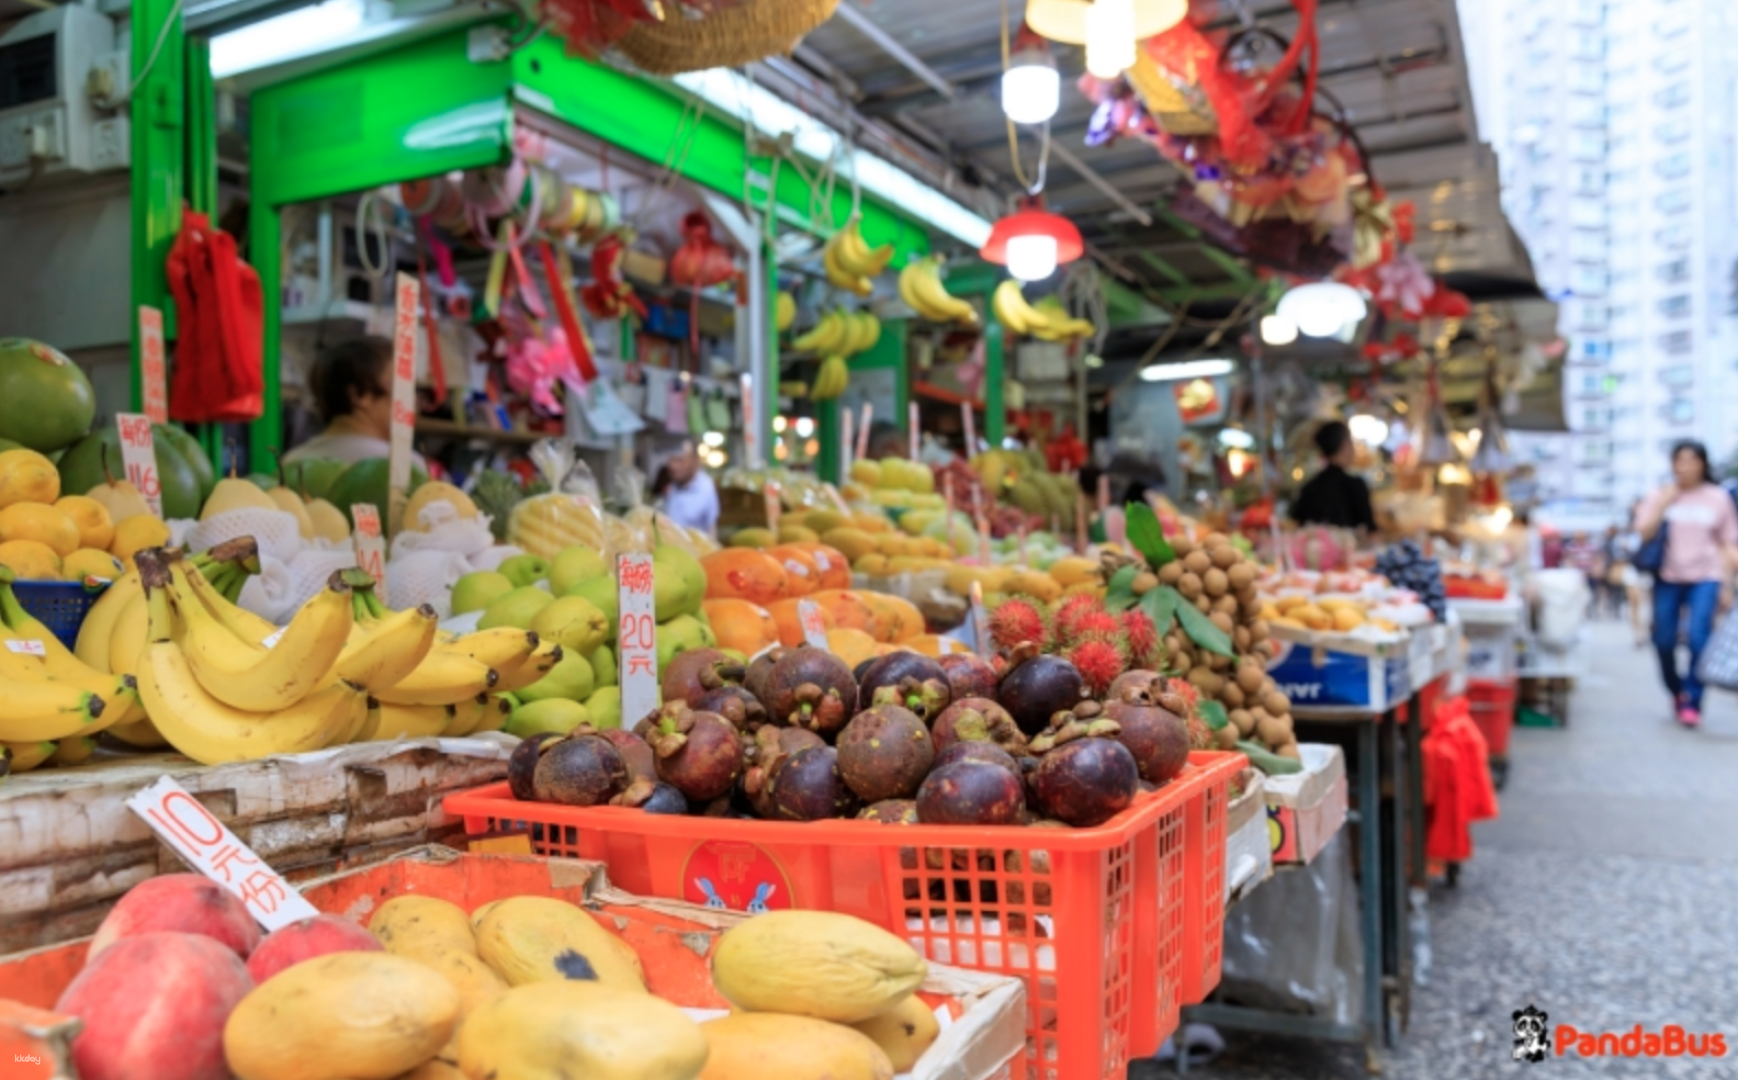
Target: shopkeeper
[1334,496]
[351,384]
[691,499]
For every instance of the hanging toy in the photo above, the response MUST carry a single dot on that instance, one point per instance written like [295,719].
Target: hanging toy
[700,261]
[610,297]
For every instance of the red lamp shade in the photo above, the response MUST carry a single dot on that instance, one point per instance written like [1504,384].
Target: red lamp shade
[1033,220]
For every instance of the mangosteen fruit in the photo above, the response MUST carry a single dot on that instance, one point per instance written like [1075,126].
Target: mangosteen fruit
[884,753]
[1086,782]
[665,799]
[971,793]
[862,668]
[522,763]
[968,675]
[695,673]
[698,753]
[1037,689]
[580,770]
[905,678]
[810,688]
[986,752]
[976,719]
[763,753]
[635,752]
[891,812]
[733,703]
[1157,737]
[806,786]
[754,679]
[1138,680]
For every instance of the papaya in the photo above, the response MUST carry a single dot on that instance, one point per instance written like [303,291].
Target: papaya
[815,963]
[529,939]
[904,1032]
[557,1030]
[434,1070]
[342,1016]
[408,925]
[774,1046]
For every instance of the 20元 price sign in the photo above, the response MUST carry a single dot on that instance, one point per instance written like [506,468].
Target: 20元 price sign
[637,637]
[139,457]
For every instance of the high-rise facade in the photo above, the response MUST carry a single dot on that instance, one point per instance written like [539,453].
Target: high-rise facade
[1614,126]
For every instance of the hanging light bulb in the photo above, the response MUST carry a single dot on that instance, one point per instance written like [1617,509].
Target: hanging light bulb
[1110,37]
[1031,86]
[1321,308]
[1032,258]
[1278,330]
[1032,242]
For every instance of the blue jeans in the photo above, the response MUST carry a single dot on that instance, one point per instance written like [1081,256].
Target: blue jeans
[1670,598]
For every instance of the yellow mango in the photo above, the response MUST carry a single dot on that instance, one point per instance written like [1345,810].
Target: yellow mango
[815,963]
[774,1046]
[530,939]
[903,1032]
[564,1030]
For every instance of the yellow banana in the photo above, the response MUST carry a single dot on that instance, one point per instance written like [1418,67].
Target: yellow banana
[856,256]
[488,713]
[934,301]
[250,676]
[32,710]
[841,277]
[545,657]
[24,756]
[140,734]
[1012,310]
[241,622]
[784,311]
[127,639]
[414,721]
[504,648]
[58,660]
[390,651]
[207,730]
[872,329]
[443,678]
[74,750]
[93,634]
[825,336]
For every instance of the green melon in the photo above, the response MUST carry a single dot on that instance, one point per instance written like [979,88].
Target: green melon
[197,459]
[314,477]
[365,482]
[45,400]
[81,468]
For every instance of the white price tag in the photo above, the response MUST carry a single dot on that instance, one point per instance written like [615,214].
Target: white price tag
[751,450]
[409,297]
[153,366]
[271,640]
[971,429]
[27,648]
[636,637]
[208,846]
[139,457]
[911,428]
[847,421]
[981,622]
[774,505]
[814,630]
[370,545]
[863,430]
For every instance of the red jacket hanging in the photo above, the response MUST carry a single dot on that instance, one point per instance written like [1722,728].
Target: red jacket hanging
[220,328]
[1457,782]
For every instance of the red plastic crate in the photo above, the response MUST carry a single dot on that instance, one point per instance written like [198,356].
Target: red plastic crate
[1091,919]
[1203,877]
[1492,705]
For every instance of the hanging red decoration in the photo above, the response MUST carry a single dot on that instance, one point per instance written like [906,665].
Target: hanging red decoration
[608,296]
[700,261]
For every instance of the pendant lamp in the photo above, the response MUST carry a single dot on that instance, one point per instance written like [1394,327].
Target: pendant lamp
[1031,85]
[1108,28]
[1032,242]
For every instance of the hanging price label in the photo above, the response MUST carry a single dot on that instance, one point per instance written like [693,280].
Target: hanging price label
[153,365]
[983,528]
[751,450]
[847,422]
[139,457]
[370,544]
[774,505]
[863,429]
[981,622]
[911,428]
[971,429]
[207,845]
[636,637]
[809,617]
[409,299]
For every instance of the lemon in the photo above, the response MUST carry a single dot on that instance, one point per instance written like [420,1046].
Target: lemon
[95,528]
[31,560]
[135,535]
[27,476]
[35,521]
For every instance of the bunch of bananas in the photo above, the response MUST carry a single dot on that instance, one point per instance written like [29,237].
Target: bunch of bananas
[920,287]
[1047,321]
[839,334]
[851,263]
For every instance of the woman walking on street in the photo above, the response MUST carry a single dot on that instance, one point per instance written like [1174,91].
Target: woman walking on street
[1701,543]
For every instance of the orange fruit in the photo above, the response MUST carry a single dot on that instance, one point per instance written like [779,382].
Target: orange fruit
[741,625]
[848,609]
[744,574]
[790,622]
[35,521]
[95,528]
[851,646]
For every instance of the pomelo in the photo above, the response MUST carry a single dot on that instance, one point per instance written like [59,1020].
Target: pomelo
[197,459]
[366,482]
[82,469]
[315,476]
[46,402]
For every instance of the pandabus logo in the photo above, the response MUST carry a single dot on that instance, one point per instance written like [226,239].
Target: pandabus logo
[1532,1038]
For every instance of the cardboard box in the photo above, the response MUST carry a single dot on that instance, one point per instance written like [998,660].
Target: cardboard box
[1306,809]
[1342,670]
[1248,849]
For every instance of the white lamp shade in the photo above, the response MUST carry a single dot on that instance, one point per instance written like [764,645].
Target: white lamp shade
[1321,308]
[1278,330]
[1031,91]
[1031,258]
[1065,20]
[1110,37]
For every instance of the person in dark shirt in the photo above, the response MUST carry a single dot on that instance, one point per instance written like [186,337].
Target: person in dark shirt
[1334,496]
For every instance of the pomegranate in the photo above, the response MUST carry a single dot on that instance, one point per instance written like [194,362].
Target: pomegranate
[884,753]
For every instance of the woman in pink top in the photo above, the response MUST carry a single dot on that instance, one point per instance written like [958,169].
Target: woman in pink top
[1701,545]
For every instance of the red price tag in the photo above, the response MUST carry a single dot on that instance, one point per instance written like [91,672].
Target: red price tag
[814,630]
[636,637]
[774,505]
[370,544]
[207,845]
[139,457]
[981,622]
[409,300]
[153,366]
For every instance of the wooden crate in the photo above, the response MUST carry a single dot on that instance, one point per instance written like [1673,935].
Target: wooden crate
[69,846]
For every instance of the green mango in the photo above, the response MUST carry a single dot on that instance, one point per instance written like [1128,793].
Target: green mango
[603,665]
[605,707]
[571,678]
[603,596]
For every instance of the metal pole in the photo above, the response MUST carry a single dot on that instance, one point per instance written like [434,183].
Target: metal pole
[159,158]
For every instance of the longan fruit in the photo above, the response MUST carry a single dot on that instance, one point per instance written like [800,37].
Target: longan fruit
[1274,731]
[1242,576]
[1250,676]
[1222,621]
[1224,556]
[1215,582]
[1249,609]
[1259,714]
[1240,639]
[1243,720]
[1227,604]
[1202,604]
[1173,641]
[1197,562]
[1289,750]
[1215,538]
[1144,583]
[1170,572]
[1226,738]
[1218,662]
[1189,585]
[1276,703]
[1232,695]
[1259,630]
[1181,544]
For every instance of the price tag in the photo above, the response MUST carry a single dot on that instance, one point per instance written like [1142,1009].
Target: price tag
[971,430]
[636,637]
[153,367]
[774,505]
[751,450]
[983,525]
[409,296]
[208,846]
[911,427]
[947,497]
[814,630]
[370,544]
[981,622]
[863,429]
[847,423]
[139,457]
[27,648]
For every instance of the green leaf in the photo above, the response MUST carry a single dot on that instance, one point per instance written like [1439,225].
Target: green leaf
[1202,631]
[1118,593]
[1160,604]
[1266,760]
[1146,535]
[1213,714]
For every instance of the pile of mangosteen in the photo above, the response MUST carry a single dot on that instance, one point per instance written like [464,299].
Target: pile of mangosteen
[796,735]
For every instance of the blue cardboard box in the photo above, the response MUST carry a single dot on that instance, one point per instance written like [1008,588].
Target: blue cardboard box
[1343,673]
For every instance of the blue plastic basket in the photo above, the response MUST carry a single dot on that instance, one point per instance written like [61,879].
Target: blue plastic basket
[60,605]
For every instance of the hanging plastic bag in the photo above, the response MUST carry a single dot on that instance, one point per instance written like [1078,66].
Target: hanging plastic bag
[220,319]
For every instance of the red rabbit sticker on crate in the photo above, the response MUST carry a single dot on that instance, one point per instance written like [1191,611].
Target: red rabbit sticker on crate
[733,876]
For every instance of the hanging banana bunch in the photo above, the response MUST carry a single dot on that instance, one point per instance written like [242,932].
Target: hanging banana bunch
[851,263]
[920,287]
[839,334]
[1048,320]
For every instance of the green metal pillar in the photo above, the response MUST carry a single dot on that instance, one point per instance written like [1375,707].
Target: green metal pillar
[995,411]
[827,431]
[264,236]
[202,178]
[767,406]
[159,155]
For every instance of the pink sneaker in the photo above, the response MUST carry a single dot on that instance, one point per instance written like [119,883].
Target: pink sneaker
[1689,716]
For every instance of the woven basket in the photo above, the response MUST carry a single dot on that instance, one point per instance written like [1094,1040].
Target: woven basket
[729,38]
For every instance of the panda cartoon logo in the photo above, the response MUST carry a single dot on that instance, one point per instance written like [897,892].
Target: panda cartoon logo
[1532,1037]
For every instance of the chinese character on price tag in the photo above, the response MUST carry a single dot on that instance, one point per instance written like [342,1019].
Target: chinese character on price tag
[26,648]
[636,637]
[814,630]
[139,457]
[981,622]
[409,298]
[774,505]
[370,545]
[208,846]
[153,368]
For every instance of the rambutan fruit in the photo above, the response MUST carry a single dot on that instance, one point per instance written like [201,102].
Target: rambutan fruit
[1100,659]
[1069,610]
[1017,620]
[1092,624]
[1142,637]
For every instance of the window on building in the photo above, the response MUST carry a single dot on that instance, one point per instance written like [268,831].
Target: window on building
[1588,247]
[1675,201]
[1589,181]
[1671,97]
[1590,10]
[1673,166]
[1594,351]
[1678,375]
[1681,411]
[1588,280]
[1593,317]
[1676,237]
[1588,112]
[1673,131]
[1671,61]
[1587,79]
[1673,272]
[1675,307]
[1678,342]
[1589,145]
